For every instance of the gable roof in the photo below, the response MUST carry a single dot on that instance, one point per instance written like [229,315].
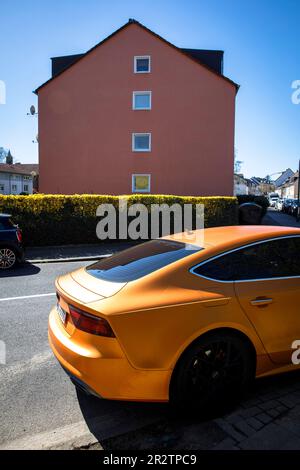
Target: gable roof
[283,177]
[190,53]
[18,168]
[212,58]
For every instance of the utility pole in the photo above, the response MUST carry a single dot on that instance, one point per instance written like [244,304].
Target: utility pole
[298,204]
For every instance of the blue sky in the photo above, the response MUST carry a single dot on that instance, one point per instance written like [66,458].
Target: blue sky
[260,38]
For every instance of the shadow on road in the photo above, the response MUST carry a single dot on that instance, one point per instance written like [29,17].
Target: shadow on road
[106,418]
[127,425]
[25,269]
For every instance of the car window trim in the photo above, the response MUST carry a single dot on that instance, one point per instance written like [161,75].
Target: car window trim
[192,269]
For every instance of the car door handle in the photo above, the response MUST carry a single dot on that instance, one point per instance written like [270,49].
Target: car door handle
[261,301]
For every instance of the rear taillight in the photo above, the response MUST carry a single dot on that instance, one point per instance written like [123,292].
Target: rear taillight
[90,323]
[19,235]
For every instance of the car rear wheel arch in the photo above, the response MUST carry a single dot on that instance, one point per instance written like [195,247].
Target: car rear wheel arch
[225,332]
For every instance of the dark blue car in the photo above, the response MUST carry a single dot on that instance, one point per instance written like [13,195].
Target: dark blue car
[11,247]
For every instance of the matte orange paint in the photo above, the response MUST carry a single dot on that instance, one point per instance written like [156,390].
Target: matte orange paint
[156,317]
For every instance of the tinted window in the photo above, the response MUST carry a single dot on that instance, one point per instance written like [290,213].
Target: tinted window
[140,260]
[5,223]
[277,258]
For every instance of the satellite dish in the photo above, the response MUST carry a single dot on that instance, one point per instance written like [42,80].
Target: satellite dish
[32,110]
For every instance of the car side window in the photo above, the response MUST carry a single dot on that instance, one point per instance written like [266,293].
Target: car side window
[267,260]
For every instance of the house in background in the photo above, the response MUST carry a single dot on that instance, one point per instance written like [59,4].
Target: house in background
[283,178]
[136,114]
[18,178]
[289,188]
[33,169]
[240,185]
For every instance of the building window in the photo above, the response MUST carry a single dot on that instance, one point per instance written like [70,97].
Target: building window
[26,188]
[14,187]
[26,178]
[142,64]
[141,100]
[141,142]
[141,183]
[1,188]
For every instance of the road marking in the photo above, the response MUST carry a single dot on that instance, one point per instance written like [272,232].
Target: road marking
[26,297]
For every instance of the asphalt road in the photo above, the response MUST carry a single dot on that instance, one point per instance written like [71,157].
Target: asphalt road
[39,407]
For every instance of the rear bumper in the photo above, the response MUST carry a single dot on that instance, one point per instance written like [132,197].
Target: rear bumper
[99,366]
[80,384]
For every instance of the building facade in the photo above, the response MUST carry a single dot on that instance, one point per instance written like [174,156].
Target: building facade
[15,180]
[289,189]
[136,114]
[240,185]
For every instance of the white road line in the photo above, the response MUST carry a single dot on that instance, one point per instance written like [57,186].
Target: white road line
[26,297]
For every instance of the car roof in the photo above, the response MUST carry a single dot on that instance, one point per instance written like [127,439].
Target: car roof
[236,235]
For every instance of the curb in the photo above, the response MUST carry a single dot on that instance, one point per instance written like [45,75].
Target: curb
[67,260]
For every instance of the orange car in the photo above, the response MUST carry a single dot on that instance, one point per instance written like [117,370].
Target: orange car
[161,322]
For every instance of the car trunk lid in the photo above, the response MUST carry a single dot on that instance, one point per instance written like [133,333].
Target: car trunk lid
[84,288]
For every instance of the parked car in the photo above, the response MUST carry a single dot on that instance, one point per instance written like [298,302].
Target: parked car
[11,247]
[190,324]
[273,197]
[293,208]
[286,205]
[279,204]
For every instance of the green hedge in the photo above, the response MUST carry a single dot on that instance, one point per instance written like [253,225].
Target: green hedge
[58,219]
[262,201]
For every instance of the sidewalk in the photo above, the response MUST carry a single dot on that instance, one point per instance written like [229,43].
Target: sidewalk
[48,254]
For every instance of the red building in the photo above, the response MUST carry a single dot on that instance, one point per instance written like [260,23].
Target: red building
[137,114]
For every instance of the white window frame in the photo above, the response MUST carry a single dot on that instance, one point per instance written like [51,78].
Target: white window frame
[136,57]
[133,141]
[135,93]
[141,190]
[26,190]
[2,187]
[16,187]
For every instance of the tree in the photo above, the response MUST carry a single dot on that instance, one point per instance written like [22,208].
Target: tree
[3,154]
[9,158]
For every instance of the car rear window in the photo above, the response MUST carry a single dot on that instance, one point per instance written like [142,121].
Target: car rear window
[141,260]
[6,223]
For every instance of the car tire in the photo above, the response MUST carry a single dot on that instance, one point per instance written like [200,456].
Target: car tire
[212,373]
[8,257]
